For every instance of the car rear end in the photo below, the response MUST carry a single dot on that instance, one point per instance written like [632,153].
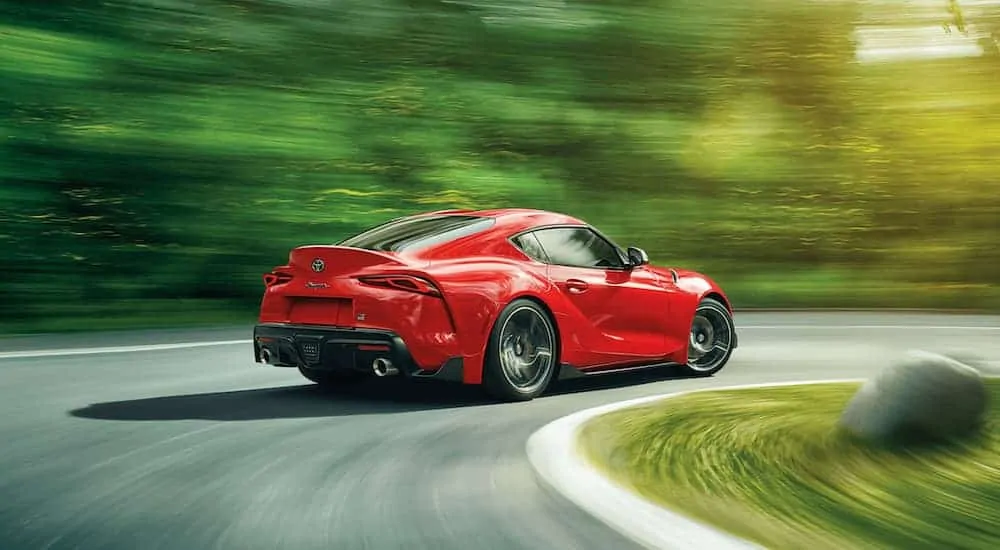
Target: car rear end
[362,306]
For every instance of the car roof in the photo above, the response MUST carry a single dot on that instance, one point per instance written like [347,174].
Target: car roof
[506,222]
[514,220]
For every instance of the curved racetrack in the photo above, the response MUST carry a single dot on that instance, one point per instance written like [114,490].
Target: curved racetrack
[197,448]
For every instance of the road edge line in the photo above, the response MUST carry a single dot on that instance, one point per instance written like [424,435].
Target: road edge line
[27,354]
[553,454]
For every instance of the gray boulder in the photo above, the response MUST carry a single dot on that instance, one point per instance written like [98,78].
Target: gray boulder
[923,398]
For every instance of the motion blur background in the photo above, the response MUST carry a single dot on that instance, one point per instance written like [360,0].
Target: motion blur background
[157,156]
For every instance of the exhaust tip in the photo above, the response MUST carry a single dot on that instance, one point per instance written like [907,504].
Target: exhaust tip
[383,367]
[265,355]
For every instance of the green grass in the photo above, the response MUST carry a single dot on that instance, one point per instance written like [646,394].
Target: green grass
[769,465]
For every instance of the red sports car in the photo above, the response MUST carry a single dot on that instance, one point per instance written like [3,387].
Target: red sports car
[510,299]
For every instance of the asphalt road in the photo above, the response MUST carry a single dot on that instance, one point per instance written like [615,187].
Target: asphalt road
[198,448]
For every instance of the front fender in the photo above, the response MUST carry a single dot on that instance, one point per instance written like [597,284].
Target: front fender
[694,287]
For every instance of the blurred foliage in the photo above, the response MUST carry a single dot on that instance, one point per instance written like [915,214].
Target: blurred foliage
[159,155]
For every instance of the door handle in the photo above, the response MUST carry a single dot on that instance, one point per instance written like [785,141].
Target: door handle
[576,286]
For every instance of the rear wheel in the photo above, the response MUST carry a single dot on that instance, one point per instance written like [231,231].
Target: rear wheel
[521,354]
[331,379]
[710,342]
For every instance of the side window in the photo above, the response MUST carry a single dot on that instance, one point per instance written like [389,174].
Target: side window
[530,246]
[578,247]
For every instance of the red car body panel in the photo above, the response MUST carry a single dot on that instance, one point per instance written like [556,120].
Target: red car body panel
[443,300]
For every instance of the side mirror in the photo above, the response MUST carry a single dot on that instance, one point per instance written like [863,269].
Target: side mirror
[637,256]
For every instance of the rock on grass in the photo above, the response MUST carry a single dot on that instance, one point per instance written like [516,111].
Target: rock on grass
[923,398]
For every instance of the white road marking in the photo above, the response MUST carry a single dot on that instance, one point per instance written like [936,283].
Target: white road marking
[117,349]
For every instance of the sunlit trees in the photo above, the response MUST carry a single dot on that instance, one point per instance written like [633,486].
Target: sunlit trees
[176,149]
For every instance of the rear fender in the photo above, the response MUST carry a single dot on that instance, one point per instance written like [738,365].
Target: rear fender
[476,292]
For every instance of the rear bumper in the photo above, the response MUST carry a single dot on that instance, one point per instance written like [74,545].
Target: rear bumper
[345,349]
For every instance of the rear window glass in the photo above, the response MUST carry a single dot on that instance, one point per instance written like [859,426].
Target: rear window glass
[414,233]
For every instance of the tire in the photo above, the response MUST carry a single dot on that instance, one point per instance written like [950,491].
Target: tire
[522,331]
[331,379]
[712,329]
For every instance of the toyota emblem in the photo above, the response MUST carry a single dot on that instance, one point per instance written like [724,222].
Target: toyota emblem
[318,265]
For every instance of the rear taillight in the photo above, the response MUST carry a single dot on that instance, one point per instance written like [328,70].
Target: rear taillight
[276,278]
[409,283]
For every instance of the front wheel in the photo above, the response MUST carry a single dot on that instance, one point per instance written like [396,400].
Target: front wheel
[521,354]
[710,342]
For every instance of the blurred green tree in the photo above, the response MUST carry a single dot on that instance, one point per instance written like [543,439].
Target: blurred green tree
[161,154]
